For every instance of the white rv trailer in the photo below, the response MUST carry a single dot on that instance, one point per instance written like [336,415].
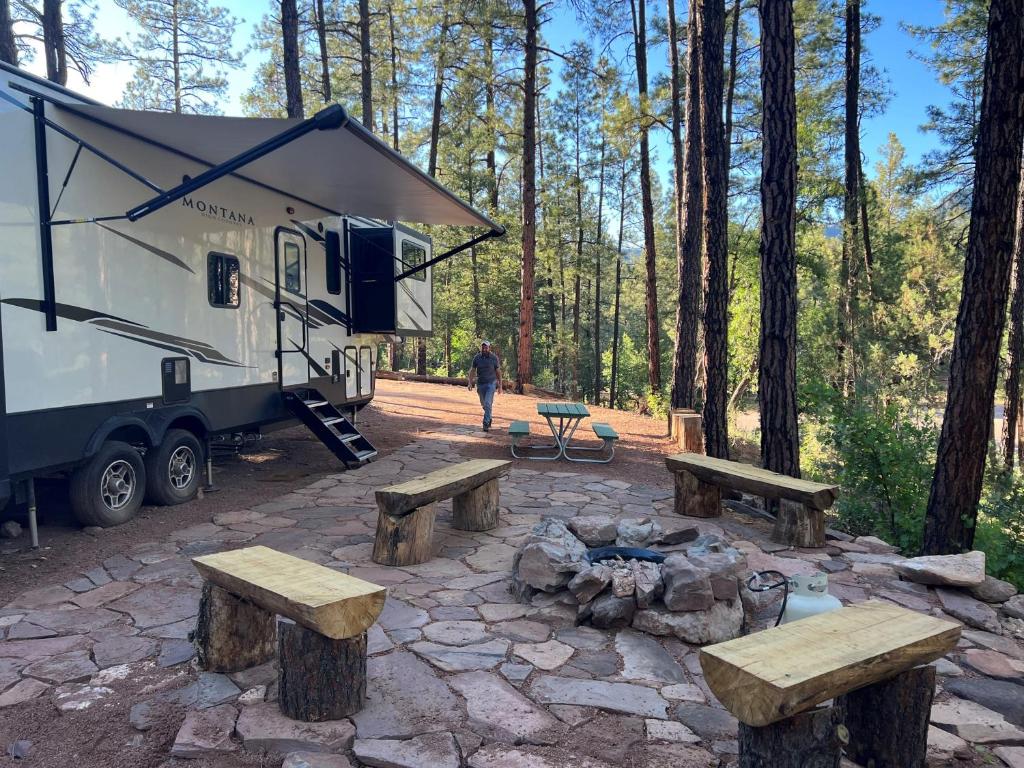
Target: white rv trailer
[169,278]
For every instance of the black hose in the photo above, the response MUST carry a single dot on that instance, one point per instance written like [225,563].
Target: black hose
[783,582]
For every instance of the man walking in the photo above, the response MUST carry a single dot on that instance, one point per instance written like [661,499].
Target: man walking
[485,373]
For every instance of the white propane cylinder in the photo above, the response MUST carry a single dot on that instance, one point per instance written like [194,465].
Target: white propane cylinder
[808,596]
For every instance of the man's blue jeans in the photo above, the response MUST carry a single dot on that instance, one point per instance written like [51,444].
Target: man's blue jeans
[486,393]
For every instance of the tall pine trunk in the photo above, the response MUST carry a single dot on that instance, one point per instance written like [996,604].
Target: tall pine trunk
[597,274]
[730,91]
[8,48]
[53,42]
[290,56]
[1015,343]
[365,64]
[967,425]
[394,77]
[639,9]
[845,347]
[780,442]
[321,38]
[716,253]
[613,391]
[524,372]
[689,204]
[176,55]
[491,158]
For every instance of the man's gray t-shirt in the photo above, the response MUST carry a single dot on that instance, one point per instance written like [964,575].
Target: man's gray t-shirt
[486,367]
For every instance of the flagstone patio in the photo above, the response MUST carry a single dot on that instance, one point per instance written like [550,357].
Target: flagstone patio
[460,673]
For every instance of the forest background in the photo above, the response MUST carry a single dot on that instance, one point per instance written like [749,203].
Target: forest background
[569,123]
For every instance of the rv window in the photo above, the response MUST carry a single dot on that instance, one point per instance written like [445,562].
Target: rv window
[222,277]
[332,247]
[292,268]
[413,255]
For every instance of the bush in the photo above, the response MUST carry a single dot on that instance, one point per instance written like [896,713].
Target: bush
[1000,528]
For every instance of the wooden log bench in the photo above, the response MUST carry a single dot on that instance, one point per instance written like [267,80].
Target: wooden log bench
[800,519]
[867,658]
[405,525]
[321,641]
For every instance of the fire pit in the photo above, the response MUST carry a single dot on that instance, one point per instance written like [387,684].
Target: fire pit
[631,573]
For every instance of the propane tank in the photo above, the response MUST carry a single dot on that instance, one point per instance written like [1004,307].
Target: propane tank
[808,596]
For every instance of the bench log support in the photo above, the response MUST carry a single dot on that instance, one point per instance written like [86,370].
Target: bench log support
[320,678]
[231,633]
[695,498]
[888,721]
[798,525]
[811,739]
[406,539]
[477,508]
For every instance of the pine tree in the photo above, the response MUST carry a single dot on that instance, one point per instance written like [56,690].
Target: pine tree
[181,55]
[290,49]
[524,371]
[1015,342]
[65,30]
[967,424]
[8,47]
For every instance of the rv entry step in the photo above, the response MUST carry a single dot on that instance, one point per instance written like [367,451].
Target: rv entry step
[330,425]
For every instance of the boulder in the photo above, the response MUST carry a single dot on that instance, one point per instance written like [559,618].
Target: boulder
[966,570]
[687,587]
[548,563]
[709,542]
[10,529]
[649,585]
[876,545]
[722,621]
[610,612]
[1014,607]
[590,582]
[637,533]
[993,590]
[724,568]
[968,610]
[623,584]
[594,530]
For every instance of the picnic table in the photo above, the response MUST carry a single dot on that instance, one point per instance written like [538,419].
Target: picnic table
[563,420]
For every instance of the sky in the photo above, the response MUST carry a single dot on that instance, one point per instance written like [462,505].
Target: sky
[914,86]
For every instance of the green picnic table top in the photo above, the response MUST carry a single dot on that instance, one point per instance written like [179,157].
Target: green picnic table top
[563,410]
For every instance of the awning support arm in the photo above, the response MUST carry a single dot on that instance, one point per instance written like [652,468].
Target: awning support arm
[43,196]
[329,118]
[448,254]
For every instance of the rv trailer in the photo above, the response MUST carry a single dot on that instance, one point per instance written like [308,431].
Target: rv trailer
[167,279]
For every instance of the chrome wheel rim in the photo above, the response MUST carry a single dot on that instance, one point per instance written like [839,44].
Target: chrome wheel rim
[117,486]
[182,467]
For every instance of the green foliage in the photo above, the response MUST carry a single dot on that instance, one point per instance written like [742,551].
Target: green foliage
[1000,528]
[882,455]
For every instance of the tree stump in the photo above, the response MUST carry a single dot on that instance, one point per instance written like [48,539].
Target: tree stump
[232,634]
[888,721]
[798,525]
[686,427]
[477,508]
[405,540]
[811,739]
[695,498]
[319,678]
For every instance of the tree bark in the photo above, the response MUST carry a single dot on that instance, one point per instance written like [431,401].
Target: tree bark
[695,498]
[730,92]
[1015,343]
[689,202]
[613,385]
[524,370]
[967,424]
[394,77]
[888,721]
[798,525]
[780,443]
[321,36]
[491,157]
[716,231]
[639,9]
[477,508]
[232,634]
[807,740]
[365,64]
[320,678]
[597,276]
[290,56]
[8,48]
[53,42]
[845,351]
[406,539]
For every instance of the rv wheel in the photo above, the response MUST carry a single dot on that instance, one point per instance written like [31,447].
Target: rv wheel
[173,468]
[108,489]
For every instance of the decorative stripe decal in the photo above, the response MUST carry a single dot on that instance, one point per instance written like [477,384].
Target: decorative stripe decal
[152,249]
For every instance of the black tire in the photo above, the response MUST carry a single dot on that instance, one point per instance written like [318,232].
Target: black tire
[108,489]
[174,468]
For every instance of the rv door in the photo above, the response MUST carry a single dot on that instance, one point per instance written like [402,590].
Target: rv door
[414,299]
[292,330]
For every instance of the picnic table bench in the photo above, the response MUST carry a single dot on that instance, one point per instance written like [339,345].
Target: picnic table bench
[568,417]
[321,646]
[800,520]
[866,657]
[405,524]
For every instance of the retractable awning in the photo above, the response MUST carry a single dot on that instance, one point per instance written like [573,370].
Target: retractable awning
[327,160]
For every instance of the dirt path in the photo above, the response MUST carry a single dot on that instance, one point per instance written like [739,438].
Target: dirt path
[292,458]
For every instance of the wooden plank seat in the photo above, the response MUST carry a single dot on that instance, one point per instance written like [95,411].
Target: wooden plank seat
[405,524]
[321,644]
[800,520]
[864,656]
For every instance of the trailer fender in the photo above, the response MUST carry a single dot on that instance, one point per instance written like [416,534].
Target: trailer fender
[150,426]
[126,423]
